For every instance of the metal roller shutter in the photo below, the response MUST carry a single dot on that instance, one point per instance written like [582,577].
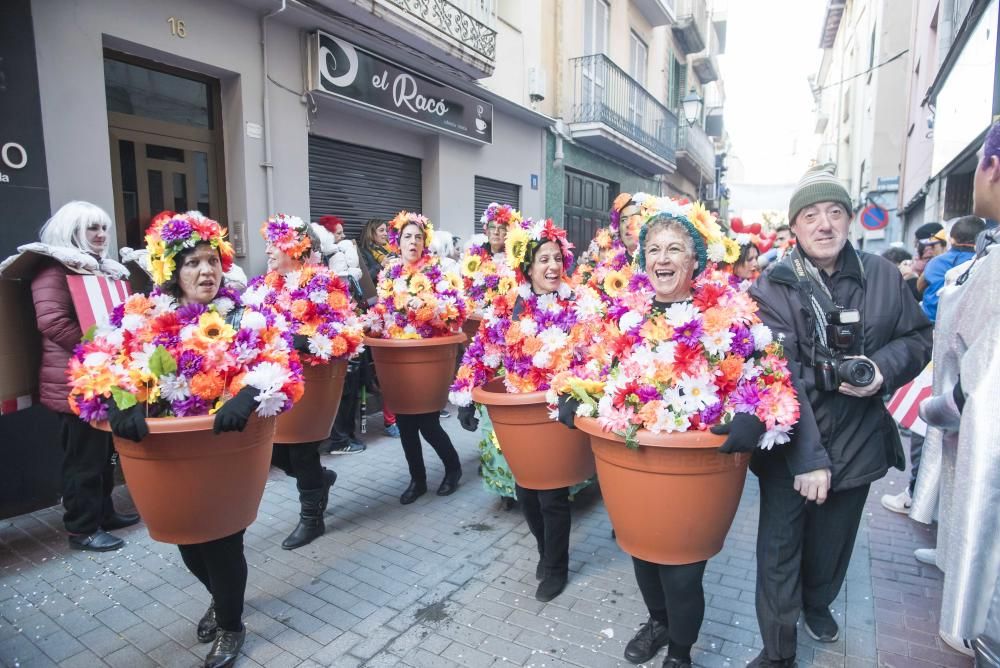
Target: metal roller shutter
[489,191]
[358,183]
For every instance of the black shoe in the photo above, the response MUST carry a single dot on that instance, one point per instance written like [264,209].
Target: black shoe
[99,541]
[674,662]
[508,503]
[550,587]
[413,492]
[119,521]
[208,624]
[540,568]
[445,413]
[225,649]
[450,483]
[763,662]
[352,448]
[820,624]
[647,641]
[311,526]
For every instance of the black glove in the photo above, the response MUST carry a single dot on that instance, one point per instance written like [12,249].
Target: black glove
[467,417]
[567,410]
[300,342]
[129,423]
[958,395]
[234,413]
[744,432]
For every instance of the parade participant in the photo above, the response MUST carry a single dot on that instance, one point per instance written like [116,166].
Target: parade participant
[966,380]
[686,353]
[746,239]
[416,299]
[530,333]
[852,334]
[221,359]
[316,307]
[614,246]
[75,241]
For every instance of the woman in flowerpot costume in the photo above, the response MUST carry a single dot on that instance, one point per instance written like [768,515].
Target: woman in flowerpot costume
[613,247]
[417,300]
[187,350]
[316,307]
[533,331]
[743,244]
[689,354]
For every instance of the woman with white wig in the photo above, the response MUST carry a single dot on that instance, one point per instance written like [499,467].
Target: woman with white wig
[75,241]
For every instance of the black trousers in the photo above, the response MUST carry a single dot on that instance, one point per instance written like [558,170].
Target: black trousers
[87,474]
[674,596]
[428,425]
[803,550]
[342,431]
[916,449]
[300,461]
[547,513]
[221,566]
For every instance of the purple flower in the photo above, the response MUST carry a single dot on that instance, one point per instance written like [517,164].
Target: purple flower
[745,398]
[647,393]
[117,313]
[93,409]
[193,405]
[176,229]
[689,333]
[190,312]
[742,340]
[190,363]
[711,414]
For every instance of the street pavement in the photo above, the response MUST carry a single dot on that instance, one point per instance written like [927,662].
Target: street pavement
[446,581]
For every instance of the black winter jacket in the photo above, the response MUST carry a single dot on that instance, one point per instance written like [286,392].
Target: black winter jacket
[856,438]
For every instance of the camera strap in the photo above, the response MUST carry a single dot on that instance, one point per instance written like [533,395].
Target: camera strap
[820,301]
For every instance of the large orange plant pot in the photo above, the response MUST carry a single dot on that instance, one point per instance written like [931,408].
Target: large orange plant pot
[542,453]
[192,486]
[471,325]
[415,374]
[673,500]
[311,418]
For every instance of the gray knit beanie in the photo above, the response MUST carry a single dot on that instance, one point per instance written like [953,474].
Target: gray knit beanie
[818,185]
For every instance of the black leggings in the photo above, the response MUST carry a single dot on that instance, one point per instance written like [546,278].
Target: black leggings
[547,513]
[222,568]
[428,425]
[673,593]
[300,461]
[87,475]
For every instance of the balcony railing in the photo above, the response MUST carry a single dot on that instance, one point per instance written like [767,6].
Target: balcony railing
[691,28]
[457,23]
[697,147]
[604,93]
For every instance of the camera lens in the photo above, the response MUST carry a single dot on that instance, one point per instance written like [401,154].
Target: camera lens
[857,372]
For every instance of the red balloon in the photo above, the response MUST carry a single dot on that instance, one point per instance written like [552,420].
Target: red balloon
[736,224]
[755,228]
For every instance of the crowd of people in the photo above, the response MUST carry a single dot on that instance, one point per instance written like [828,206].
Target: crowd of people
[785,345]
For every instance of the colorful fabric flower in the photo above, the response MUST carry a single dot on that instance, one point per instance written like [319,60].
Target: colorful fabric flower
[404,218]
[170,233]
[417,301]
[289,234]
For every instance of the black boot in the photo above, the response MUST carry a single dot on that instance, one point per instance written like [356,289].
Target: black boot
[208,624]
[311,524]
[225,649]
[329,478]
[450,482]
[413,492]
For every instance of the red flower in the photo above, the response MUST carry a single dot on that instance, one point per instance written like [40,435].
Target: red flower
[708,295]
[623,393]
[687,359]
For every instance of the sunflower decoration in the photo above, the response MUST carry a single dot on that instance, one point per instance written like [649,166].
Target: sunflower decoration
[615,282]
[516,246]
[524,240]
[169,233]
[471,264]
[404,218]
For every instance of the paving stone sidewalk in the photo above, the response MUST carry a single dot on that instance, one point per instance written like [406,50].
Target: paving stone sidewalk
[442,582]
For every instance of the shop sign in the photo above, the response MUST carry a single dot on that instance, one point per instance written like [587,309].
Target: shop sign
[343,70]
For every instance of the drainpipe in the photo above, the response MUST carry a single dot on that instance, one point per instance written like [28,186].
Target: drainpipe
[557,133]
[267,165]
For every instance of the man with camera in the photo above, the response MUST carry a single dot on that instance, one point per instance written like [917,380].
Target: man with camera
[853,333]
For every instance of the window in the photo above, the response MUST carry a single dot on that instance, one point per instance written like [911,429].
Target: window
[639,54]
[871,57]
[595,27]
[678,84]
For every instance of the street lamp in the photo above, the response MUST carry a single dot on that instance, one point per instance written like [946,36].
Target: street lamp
[691,105]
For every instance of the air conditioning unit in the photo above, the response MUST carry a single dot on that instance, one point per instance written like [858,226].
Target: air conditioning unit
[536,84]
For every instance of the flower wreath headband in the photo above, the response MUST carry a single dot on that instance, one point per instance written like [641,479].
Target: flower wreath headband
[500,214]
[524,240]
[709,242]
[289,234]
[404,218]
[170,233]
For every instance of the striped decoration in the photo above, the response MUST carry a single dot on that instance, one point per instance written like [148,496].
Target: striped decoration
[94,297]
[904,404]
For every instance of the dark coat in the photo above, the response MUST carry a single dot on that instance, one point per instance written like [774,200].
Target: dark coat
[856,438]
[60,328]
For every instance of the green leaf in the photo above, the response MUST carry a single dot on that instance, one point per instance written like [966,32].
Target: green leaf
[88,336]
[161,362]
[123,398]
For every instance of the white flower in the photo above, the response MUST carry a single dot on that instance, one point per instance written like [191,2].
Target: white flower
[270,402]
[548,302]
[524,290]
[96,359]
[716,251]
[321,346]
[255,296]
[174,387]
[317,296]
[536,229]
[776,436]
[292,280]
[267,376]
[698,392]
[442,285]
[629,320]
[492,361]
[224,305]
[762,336]
[140,359]
[750,369]
[681,313]
[553,338]
[565,290]
[131,322]
[529,327]
[253,320]
[742,238]
[162,303]
[585,410]
[115,338]
[542,359]
[463,398]
[717,343]
[588,304]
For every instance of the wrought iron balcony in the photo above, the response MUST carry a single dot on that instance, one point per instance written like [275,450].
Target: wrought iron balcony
[448,18]
[691,28]
[613,112]
[695,153]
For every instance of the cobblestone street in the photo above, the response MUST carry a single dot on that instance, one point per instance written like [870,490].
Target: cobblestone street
[443,582]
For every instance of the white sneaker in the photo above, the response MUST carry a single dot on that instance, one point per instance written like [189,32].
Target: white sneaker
[926,555]
[958,644]
[898,503]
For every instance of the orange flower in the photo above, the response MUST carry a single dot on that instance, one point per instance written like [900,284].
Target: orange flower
[513,335]
[717,320]
[137,304]
[208,386]
[338,346]
[299,309]
[731,367]
[337,300]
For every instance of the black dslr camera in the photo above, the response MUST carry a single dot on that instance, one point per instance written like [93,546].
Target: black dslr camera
[843,334]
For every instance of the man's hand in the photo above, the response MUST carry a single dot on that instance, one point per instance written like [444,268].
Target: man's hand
[868,390]
[813,485]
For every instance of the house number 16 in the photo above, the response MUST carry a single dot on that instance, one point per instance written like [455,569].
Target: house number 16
[177,28]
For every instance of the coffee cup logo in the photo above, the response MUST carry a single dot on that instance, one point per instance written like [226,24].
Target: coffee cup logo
[480,126]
